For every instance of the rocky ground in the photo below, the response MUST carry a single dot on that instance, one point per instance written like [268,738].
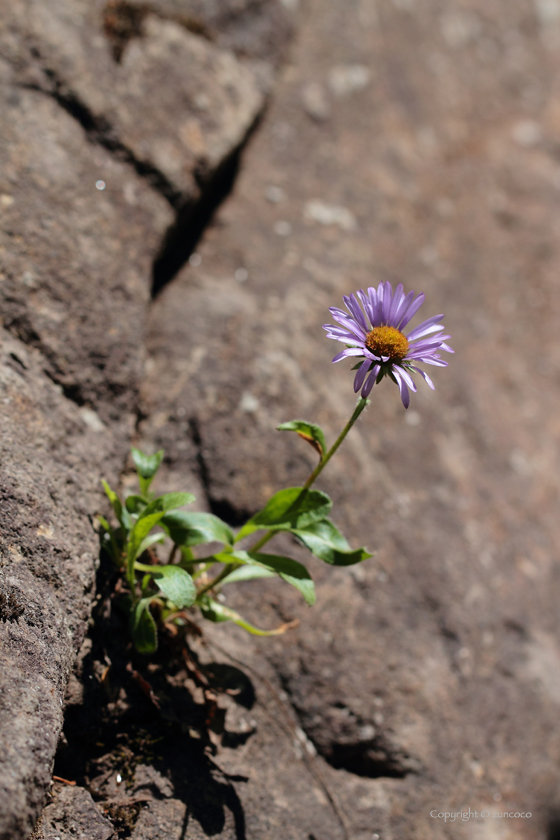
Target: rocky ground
[186,188]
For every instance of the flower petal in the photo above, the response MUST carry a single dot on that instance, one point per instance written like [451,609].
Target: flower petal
[395,303]
[425,375]
[350,351]
[370,381]
[403,306]
[426,327]
[348,323]
[411,311]
[407,377]
[341,335]
[355,309]
[405,395]
[432,360]
[366,303]
[376,299]
[361,375]
[387,298]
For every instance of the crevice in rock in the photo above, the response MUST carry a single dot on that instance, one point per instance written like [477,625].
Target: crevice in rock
[71,392]
[196,215]
[370,759]
[123,21]
[553,829]
[11,606]
[99,130]
[349,743]
[234,516]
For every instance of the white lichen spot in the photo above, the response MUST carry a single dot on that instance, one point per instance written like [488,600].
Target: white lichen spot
[249,403]
[527,133]
[329,214]
[92,420]
[348,78]
[274,194]
[548,11]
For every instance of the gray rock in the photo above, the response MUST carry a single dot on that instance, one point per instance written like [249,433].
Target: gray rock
[74,259]
[175,104]
[74,816]
[251,28]
[92,154]
[427,676]
[51,459]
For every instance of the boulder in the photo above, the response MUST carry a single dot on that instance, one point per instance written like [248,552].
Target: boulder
[428,676]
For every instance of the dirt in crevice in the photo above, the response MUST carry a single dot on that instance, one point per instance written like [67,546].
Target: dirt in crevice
[138,729]
[124,21]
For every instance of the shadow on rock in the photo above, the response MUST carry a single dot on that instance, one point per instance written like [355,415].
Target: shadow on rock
[142,731]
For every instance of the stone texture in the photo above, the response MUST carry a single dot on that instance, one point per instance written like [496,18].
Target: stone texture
[93,153]
[74,815]
[74,260]
[52,454]
[260,29]
[174,103]
[431,669]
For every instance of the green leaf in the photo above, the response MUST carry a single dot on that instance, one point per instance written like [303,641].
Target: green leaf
[143,627]
[146,465]
[214,611]
[104,524]
[169,501]
[285,567]
[289,509]
[140,531]
[195,528]
[176,584]
[310,432]
[151,539]
[121,513]
[289,570]
[325,541]
[244,573]
[135,504]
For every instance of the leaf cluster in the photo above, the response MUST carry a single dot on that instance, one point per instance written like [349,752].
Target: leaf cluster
[204,553]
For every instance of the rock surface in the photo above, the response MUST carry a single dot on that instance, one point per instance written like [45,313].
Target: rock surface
[74,815]
[174,104]
[51,454]
[425,153]
[96,156]
[407,141]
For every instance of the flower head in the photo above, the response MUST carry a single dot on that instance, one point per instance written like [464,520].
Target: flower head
[377,336]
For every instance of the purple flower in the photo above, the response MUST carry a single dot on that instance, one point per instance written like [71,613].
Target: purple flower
[378,338]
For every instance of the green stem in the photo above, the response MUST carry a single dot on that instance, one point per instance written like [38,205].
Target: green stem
[314,475]
[141,567]
[218,579]
[326,458]
[321,465]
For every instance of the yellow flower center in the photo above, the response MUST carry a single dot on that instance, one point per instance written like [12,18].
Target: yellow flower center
[387,341]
